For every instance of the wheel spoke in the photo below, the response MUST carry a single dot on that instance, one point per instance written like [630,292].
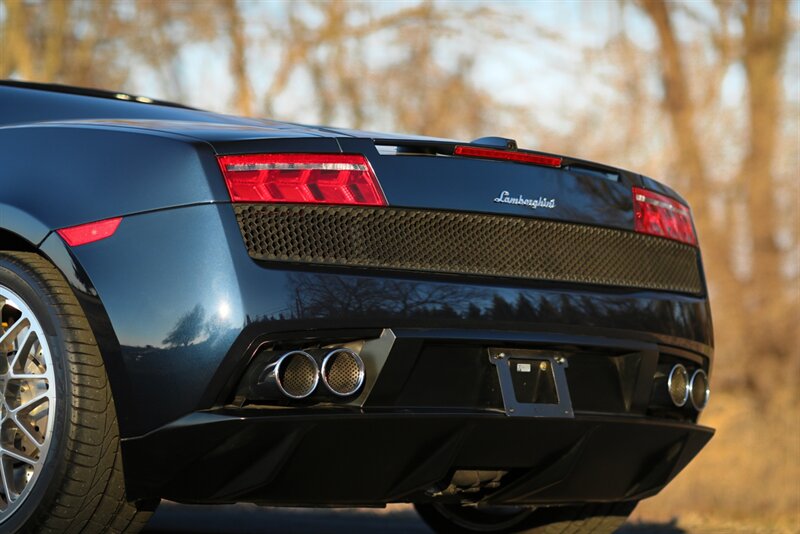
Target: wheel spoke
[29,404]
[4,476]
[24,429]
[14,329]
[17,456]
[27,376]
[23,349]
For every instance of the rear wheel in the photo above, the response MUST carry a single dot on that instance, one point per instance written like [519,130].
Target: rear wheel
[60,464]
[590,518]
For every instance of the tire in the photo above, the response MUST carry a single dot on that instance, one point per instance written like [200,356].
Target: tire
[71,479]
[584,519]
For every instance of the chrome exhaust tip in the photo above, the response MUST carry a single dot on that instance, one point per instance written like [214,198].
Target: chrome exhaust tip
[295,373]
[678,385]
[343,372]
[699,390]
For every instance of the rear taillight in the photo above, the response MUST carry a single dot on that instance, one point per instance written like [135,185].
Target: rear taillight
[507,155]
[660,215]
[302,178]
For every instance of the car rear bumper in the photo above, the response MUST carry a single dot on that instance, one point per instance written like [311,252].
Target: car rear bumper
[374,458]
[180,310]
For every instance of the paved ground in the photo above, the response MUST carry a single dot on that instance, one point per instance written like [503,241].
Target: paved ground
[245,519]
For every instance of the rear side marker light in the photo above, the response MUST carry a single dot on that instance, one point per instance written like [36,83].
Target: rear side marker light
[659,215]
[302,178]
[507,155]
[83,234]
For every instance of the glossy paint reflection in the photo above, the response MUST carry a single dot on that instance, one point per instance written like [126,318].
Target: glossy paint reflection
[418,181]
[441,304]
[171,303]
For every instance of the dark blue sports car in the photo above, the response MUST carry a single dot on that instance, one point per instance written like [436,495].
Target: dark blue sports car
[217,309]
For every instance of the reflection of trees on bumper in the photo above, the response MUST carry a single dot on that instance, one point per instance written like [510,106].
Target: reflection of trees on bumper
[327,296]
[188,328]
[387,301]
[195,326]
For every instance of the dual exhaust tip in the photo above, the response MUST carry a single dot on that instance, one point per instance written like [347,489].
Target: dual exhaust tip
[297,373]
[683,389]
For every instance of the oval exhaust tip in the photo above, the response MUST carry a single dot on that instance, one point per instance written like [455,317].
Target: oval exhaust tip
[699,390]
[296,374]
[678,385]
[343,372]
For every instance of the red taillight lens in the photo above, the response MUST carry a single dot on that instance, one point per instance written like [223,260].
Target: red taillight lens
[88,233]
[304,178]
[507,155]
[659,215]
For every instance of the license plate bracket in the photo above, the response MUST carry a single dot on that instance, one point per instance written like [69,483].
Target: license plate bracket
[533,383]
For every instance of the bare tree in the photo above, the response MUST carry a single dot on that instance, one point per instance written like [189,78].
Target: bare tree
[759,309]
[99,43]
[407,88]
[235,27]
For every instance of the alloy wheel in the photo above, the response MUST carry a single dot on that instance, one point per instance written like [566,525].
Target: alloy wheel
[28,401]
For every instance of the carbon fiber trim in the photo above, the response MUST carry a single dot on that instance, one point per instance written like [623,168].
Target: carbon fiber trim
[467,243]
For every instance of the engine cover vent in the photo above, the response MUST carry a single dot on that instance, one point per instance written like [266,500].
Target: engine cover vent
[467,243]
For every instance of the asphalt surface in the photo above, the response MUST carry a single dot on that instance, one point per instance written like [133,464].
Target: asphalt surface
[247,519]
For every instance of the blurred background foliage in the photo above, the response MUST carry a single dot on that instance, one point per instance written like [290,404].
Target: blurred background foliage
[704,95]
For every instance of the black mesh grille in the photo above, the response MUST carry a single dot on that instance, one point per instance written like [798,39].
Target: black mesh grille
[467,243]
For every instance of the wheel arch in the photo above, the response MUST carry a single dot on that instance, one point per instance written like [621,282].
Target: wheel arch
[83,423]
[12,241]
[19,230]
[54,250]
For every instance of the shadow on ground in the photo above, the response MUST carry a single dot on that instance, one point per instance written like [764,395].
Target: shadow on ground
[670,527]
[247,519]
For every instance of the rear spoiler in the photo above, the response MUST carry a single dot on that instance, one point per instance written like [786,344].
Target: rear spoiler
[487,150]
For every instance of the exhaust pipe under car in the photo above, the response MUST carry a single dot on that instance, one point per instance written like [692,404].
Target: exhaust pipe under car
[295,374]
[683,389]
[678,385]
[699,389]
[342,372]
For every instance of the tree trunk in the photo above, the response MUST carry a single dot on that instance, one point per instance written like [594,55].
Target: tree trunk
[766,33]
[57,24]
[17,55]
[243,97]
[753,312]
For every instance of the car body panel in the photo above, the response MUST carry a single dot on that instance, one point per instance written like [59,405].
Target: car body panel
[147,278]
[165,177]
